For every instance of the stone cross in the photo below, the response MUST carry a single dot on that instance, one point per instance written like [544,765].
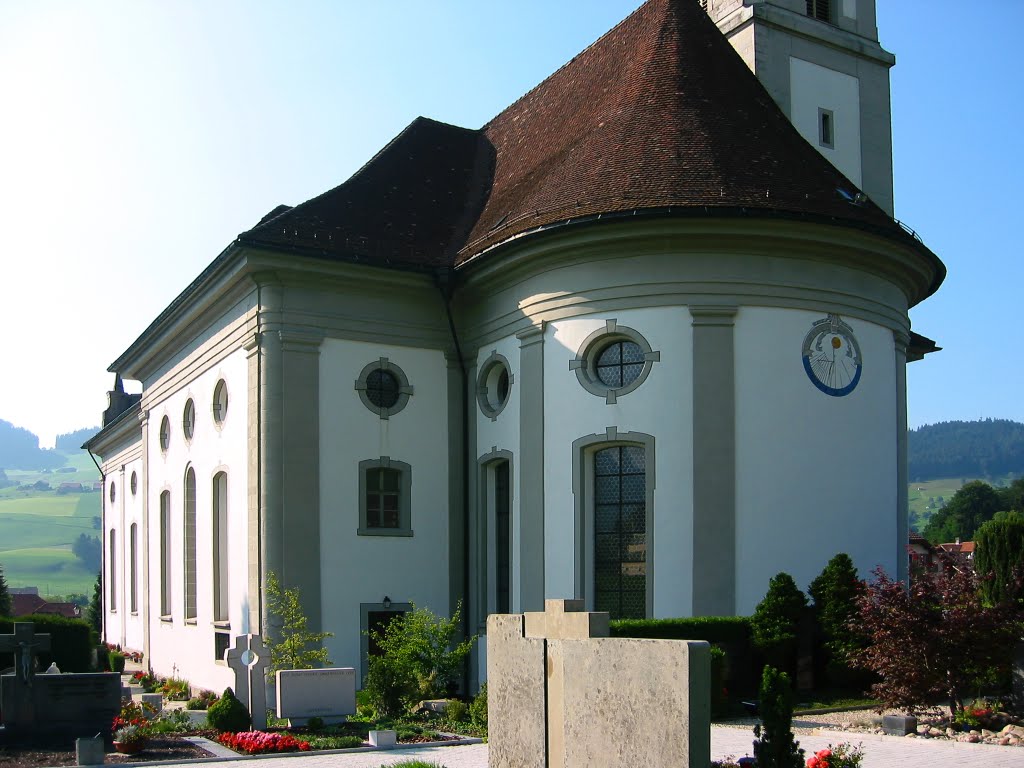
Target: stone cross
[24,643]
[249,658]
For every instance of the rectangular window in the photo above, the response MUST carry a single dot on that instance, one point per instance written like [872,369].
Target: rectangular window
[385,487]
[112,570]
[820,10]
[190,545]
[133,565]
[503,536]
[826,128]
[221,603]
[165,554]
[620,532]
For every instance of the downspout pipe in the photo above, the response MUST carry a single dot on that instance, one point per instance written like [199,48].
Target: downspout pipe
[103,530]
[445,285]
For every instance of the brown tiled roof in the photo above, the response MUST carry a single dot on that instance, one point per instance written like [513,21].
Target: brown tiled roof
[412,204]
[658,116]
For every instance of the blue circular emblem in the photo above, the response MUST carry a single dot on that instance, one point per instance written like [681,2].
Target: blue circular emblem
[831,356]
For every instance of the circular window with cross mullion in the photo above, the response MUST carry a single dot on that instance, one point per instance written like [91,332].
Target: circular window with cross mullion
[383,388]
[613,361]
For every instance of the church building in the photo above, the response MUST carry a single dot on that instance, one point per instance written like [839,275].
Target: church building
[641,340]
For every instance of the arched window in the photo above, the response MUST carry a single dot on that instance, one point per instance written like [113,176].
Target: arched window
[613,486]
[221,602]
[165,554]
[190,544]
[112,568]
[620,532]
[133,583]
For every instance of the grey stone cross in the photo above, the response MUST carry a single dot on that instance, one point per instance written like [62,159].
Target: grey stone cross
[249,659]
[24,643]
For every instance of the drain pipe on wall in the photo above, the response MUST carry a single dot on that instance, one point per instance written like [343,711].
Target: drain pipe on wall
[103,531]
[444,284]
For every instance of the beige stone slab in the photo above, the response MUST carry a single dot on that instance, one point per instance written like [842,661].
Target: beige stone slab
[565,619]
[629,702]
[515,695]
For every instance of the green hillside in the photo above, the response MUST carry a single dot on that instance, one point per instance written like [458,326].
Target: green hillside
[38,528]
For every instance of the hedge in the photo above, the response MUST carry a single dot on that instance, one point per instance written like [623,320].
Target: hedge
[731,633]
[70,644]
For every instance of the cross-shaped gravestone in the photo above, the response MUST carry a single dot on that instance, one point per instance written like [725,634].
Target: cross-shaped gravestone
[249,658]
[24,643]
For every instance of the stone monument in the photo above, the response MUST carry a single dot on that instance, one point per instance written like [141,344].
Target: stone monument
[562,694]
[52,708]
[249,658]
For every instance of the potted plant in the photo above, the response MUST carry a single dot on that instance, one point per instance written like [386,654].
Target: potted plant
[130,739]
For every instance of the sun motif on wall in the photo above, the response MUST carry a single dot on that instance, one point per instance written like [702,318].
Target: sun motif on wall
[831,356]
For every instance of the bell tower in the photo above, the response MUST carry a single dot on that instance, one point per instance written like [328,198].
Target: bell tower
[822,63]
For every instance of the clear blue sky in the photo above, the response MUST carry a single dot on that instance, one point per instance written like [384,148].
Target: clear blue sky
[138,138]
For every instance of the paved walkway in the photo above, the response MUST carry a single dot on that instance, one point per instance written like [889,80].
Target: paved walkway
[879,752]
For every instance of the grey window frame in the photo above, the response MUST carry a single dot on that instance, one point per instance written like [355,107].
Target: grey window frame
[490,407]
[190,545]
[221,551]
[829,142]
[133,595]
[585,362]
[405,389]
[583,450]
[164,435]
[404,497]
[166,593]
[188,420]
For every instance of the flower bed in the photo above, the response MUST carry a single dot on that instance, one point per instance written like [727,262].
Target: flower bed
[261,743]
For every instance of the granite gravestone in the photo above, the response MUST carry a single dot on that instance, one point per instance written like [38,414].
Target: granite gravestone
[329,694]
[249,658]
[51,709]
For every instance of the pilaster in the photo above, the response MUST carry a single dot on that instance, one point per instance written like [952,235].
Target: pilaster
[901,340]
[531,468]
[714,461]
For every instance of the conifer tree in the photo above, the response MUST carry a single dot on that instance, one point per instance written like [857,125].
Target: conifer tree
[94,614]
[776,621]
[999,558]
[835,592]
[775,746]
[5,595]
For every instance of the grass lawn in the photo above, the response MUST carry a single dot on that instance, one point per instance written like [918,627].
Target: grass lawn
[53,570]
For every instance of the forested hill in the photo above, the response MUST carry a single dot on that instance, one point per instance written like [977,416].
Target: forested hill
[19,448]
[986,448]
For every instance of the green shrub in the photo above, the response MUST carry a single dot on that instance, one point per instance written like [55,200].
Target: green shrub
[775,746]
[116,659]
[731,633]
[70,643]
[776,621]
[719,697]
[334,742]
[835,592]
[478,709]
[228,713]
[297,647]
[419,660]
[202,700]
[457,711]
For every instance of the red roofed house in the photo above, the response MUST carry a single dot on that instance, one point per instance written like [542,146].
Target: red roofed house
[28,604]
[640,340]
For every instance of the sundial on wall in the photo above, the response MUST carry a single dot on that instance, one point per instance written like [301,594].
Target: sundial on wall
[831,356]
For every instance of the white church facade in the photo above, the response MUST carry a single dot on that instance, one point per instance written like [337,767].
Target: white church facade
[636,341]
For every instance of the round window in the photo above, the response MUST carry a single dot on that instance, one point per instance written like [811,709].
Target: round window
[220,402]
[382,388]
[135,483]
[620,363]
[113,493]
[165,433]
[188,419]
[613,361]
[493,385]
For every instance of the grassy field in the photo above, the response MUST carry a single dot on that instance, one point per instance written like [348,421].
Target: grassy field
[37,529]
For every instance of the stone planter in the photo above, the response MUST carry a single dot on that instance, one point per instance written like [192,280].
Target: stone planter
[129,748]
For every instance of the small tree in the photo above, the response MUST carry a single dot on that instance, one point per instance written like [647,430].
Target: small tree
[94,614]
[5,595]
[835,592]
[419,659]
[776,621]
[775,746]
[933,641]
[999,558]
[298,647]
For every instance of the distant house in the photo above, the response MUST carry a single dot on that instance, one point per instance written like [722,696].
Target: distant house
[958,553]
[922,555]
[27,604]
[64,488]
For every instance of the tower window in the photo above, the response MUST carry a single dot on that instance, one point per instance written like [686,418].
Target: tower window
[820,10]
[826,128]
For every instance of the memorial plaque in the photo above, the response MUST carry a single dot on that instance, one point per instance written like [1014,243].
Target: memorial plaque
[329,694]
